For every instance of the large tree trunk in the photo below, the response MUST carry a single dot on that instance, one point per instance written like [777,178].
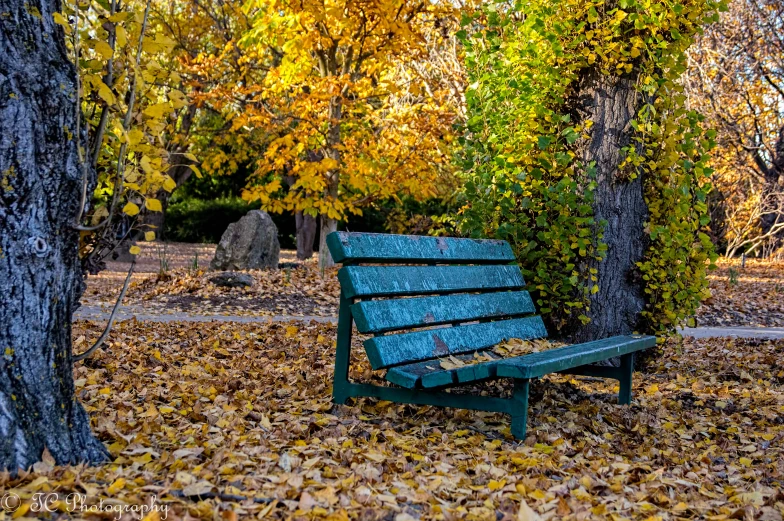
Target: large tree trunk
[40,273]
[611,103]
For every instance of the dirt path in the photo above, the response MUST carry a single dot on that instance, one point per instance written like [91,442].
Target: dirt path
[101,313]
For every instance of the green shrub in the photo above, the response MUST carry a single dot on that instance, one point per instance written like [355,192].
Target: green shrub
[204,221]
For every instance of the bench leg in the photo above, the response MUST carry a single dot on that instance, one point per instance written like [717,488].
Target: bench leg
[625,378]
[340,383]
[519,409]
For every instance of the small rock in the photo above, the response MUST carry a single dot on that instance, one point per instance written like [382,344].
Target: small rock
[230,279]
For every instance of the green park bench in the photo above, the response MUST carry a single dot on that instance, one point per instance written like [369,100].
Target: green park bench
[399,287]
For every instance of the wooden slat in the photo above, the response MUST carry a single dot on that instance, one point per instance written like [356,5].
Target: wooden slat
[429,374]
[384,281]
[391,350]
[380,248]
[563,358]
[376,316]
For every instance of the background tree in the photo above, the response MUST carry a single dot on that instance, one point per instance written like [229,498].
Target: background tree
[340,131]
[204,54]
[580,152]
[130,104]
[735,77]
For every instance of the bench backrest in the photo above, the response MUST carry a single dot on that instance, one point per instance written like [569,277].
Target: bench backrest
[471,285]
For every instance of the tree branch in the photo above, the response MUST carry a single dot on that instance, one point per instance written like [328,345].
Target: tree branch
[108,328]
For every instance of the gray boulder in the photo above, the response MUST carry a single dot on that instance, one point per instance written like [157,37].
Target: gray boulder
[249,244]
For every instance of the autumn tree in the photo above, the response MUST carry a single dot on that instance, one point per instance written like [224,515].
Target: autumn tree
[80,120]
[209,57]
[339,131]
[581,153]
[735,78]
[204,54]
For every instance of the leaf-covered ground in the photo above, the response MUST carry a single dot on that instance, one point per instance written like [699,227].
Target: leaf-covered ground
[243,411]
[184,286]
[749,296]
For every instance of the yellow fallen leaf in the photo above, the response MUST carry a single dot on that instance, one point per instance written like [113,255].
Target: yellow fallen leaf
[375,456]
[115,487]
[152,516]
[451,363]
[496,485]
[748,498]
[22,510]
[198,488]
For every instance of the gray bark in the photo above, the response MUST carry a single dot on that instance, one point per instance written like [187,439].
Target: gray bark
[306,235]
[612,103]
[306,225]
[40,272]
[327,226]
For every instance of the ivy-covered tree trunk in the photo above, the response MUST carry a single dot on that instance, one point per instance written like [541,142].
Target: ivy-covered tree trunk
[40,272]
[619,208]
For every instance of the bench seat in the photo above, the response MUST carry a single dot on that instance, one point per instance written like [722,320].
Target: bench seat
[430,374]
